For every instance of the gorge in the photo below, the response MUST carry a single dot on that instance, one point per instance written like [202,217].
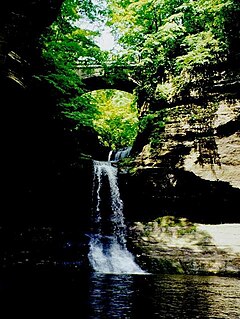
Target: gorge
[184,161]
[120,192]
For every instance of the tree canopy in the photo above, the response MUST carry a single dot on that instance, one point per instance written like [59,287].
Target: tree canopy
[176,45]
[117,121]
[65,46]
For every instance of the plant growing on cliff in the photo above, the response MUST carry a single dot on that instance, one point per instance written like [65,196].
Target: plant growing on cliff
[180,225]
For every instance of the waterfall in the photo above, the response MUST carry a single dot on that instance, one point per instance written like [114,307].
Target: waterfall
[119,154]
[108,252]
[110,155]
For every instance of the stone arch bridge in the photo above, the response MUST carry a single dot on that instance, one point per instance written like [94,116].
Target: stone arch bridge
[97,77]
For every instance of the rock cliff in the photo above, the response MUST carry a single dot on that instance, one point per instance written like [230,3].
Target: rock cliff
[167,245]
[188,169]
[192,169]
[39,153]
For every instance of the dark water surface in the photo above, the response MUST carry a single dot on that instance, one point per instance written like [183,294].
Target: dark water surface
[73,294]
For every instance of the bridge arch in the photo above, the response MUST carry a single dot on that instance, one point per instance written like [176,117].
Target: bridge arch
[98,83]
[95,77]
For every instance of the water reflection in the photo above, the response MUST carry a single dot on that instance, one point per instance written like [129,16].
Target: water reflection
[96,296]
[163,296]
[111,296]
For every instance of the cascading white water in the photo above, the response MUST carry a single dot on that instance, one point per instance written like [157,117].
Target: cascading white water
[119,154]
[108,252]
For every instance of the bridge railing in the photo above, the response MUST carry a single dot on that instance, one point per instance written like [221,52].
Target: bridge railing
[97,70]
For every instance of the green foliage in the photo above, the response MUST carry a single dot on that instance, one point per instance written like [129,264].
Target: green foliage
[170,226]
[154,122]
[156,135]
[116,122]
[177,44]
[65,45]
[147,121]
[183,225]
[81,109]
[174,46]
[202,49]
[165,91]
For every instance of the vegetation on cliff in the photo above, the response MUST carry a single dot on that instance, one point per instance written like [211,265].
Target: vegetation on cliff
[177,45]
[178,49]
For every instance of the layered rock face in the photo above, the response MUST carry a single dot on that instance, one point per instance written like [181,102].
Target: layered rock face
[44,183]
[21,26]
[227,149]
[193,173]
[27,129]
[194,170]
[180,247]
[23,139]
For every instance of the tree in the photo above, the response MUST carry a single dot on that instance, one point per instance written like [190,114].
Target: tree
[116,122]
[64,46]
[178,44]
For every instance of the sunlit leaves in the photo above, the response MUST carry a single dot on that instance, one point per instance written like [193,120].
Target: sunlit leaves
[202,48]
[116,122]
[173,40]
[175,46]
[82,109]
[64,46]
